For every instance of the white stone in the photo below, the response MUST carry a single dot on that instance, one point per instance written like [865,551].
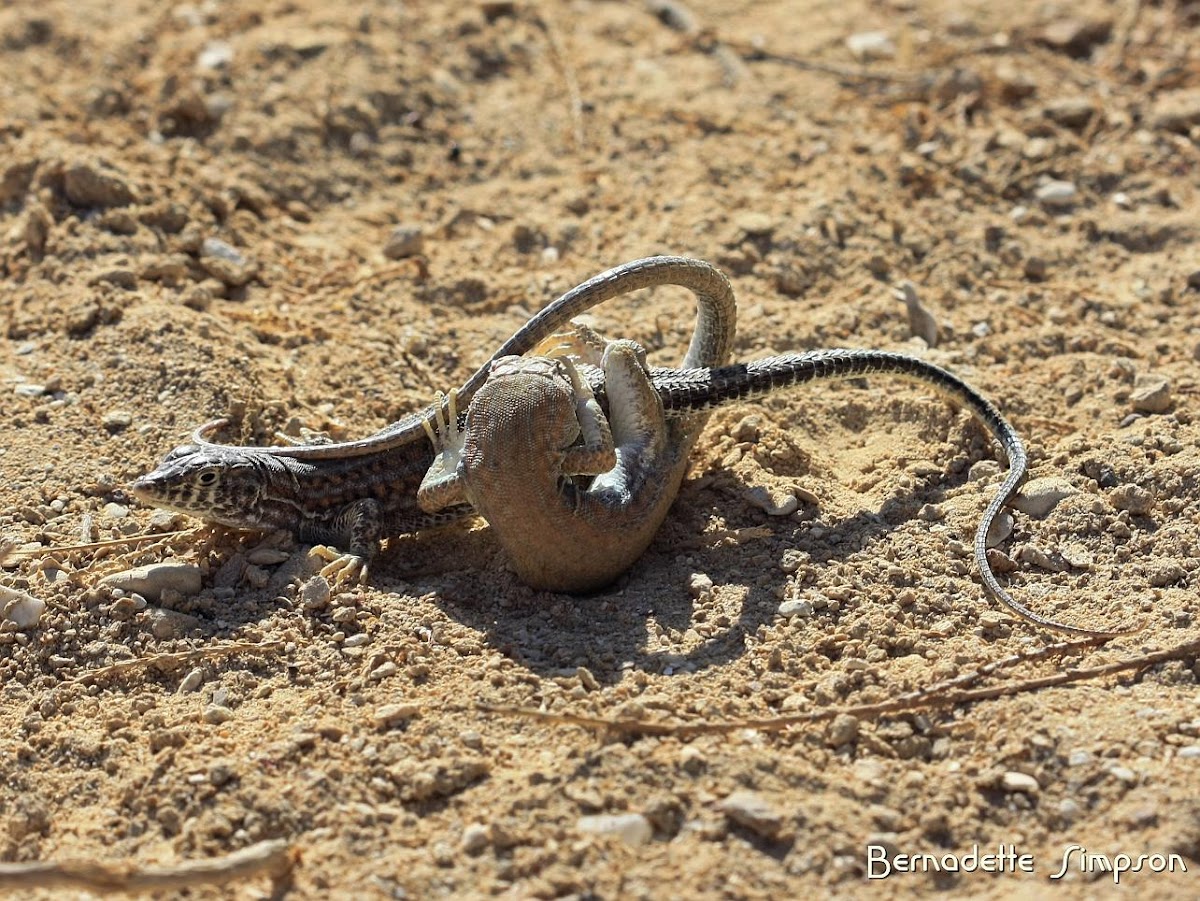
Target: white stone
[632,828]
[19,608]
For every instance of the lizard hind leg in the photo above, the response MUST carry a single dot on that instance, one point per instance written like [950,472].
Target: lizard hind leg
[635,409]
[581,342]
[639,426]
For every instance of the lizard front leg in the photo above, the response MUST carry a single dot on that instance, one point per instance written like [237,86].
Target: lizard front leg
[359,527]
[597,454]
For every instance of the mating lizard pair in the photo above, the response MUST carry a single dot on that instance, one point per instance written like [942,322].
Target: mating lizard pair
[572,516]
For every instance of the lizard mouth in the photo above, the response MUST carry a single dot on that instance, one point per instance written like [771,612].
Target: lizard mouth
[143,489]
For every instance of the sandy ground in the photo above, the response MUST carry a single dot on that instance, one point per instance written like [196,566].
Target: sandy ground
[1031,168]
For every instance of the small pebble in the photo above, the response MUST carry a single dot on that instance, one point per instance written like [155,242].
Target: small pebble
[384,670]
[632,828]
[267,556]
[983,470]
[152,580]
[990,620]
[748,429]
[475,838]
[192,681]
[755,224]
[221,773]
[587,679]
[391,714]
[226,263]
[1076,37]
[1076,555]
[1055,194]
[1176,110]
[1014,82]
[796,607]
[699,585]
[1151,394]
[215,715]
[1013,781]
[752,811]
[166,624]
[119,276]
[1035,556]
[215,55]
[871,45]
[1133,498]
[1073,112]
[89,185]
[1124,774]
[692,761]
[1080,758]
[117,420]
[315,593]
[1190,752]
[404,241]
[20,608]
[29,389]
[1038,497]
[842,730]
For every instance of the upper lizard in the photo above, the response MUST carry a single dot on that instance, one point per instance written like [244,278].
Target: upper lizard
[354,493]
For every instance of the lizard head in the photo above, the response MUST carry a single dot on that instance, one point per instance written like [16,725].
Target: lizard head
[216,485]
[527,403]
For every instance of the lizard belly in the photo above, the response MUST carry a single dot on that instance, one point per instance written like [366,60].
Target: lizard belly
[558,545]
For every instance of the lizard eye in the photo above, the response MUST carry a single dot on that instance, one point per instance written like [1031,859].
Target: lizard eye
[207,477]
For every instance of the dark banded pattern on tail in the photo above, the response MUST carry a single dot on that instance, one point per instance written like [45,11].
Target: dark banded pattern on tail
[686,391]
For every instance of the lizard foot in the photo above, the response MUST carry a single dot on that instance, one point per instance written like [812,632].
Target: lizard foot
[444,432]
[582,343]
[442,487]
[340,569]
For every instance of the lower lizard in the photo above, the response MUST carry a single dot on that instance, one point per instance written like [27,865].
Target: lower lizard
[574,517]
[352,494]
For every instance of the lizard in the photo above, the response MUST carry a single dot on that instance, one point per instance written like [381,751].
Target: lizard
[352,494]
[575,498]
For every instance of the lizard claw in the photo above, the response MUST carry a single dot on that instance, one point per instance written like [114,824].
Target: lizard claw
[443,429]
[340,569]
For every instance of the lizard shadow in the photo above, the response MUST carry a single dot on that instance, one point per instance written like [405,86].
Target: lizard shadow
[608,631]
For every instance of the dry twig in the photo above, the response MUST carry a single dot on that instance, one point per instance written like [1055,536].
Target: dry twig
[272,858]
[179,658]
[562,62]
[948,693]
